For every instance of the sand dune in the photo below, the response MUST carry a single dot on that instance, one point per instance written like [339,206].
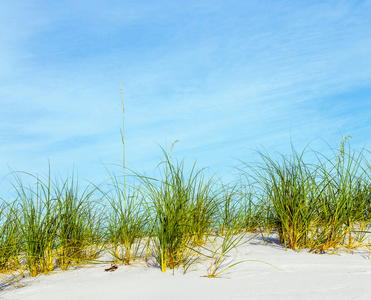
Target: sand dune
[295,275]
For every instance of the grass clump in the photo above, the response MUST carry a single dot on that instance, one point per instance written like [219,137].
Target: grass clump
[80,230]
[48,226]
[319,206]
[288,191]
[342,202]
[181,210]
[36,215]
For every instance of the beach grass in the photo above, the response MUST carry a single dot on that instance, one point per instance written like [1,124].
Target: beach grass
[176,217]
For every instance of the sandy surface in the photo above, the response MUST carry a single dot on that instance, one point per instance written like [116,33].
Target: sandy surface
[300,276]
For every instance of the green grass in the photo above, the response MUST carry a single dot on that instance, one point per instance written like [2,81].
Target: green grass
[181,209]
[9,236]
[49,226]
[319,206]
[288,191]
[171,219]
[127,221]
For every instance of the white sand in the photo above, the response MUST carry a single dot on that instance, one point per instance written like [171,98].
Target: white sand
[301,276]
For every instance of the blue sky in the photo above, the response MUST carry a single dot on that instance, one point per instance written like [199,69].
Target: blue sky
[222,77]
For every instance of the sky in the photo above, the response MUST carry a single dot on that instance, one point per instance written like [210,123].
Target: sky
[222,77]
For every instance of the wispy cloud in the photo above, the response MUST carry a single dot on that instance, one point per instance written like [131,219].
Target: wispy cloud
[220,78]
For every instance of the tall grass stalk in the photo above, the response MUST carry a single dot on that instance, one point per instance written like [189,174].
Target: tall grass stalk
[123,135]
